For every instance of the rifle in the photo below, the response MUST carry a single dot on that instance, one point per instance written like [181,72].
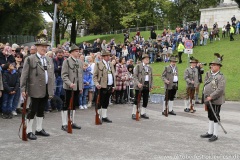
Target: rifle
[97,118]
[191,94]
[166,103]
[23,124]
[205,106]
[210,103]
[70,108]
[138,105]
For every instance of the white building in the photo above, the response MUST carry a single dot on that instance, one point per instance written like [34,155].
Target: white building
[221,14]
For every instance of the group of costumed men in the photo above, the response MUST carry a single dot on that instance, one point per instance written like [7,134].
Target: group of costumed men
[38,72]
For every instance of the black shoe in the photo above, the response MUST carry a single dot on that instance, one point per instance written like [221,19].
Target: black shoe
[106,120]
[10,116]
[134,116]
[144,116]
[4,116]
[75,126]
[121,101]
[64,128]
[186,110]
[19,111]
[213,138]
[31,136]
[207,135]
[42,133]
[172,113]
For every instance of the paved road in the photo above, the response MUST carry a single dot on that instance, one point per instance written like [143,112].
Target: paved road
[173,137]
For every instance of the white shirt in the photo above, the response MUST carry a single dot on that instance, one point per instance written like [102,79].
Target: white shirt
[110,76]
[44,63]
[145,66]
[214,74]
[175,77]
[92,67]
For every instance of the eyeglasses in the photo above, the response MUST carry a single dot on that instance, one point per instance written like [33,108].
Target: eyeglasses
[13,50]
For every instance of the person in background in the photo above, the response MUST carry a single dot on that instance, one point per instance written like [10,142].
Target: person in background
[231,33]
[121,80]
[223,31]
[180,51]
[6,55]
[11,86]
[18,65]
[91,90]
[58,62]
[87,79]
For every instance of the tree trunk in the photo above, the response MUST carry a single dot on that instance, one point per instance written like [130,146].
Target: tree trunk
[73,32]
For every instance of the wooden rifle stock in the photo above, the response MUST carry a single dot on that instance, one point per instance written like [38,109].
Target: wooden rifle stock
[24,127]
[70,108]
[97,118]
[166,103]
[138,105]
[191,94]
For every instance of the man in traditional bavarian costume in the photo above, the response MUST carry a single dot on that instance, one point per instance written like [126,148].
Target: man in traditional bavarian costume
[214,91]
[39,80]
[191,78]
[72,70]
[143,80]
[104,80]
[170,79]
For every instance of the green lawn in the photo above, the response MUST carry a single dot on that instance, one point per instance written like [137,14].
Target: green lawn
[231,58]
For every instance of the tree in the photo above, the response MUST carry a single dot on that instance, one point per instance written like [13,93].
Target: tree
[238,2]
[11,17]
[188,10]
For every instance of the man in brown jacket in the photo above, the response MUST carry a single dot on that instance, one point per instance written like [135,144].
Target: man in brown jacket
[143,80]
[105,81]
[170,79]
[214,91]
[38,80]
[72,70]
[191,78]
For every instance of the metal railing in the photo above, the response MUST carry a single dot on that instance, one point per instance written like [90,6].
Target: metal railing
[19,39]
[146,28]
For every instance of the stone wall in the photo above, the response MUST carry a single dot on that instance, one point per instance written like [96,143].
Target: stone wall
[221,15]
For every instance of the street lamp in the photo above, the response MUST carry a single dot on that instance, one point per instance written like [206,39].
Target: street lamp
[54,20]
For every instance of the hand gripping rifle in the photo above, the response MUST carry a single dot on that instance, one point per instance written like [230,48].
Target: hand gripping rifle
[138,105]
[98,105]
[70,108]
[210,103]
[166,103]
